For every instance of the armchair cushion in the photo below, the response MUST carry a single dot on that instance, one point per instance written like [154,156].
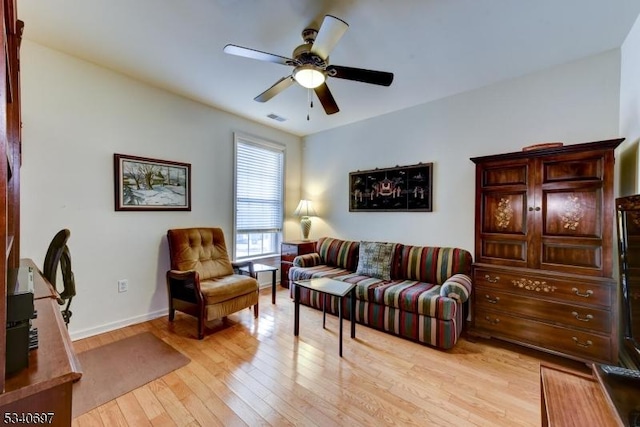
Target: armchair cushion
[200,249]
[225,288]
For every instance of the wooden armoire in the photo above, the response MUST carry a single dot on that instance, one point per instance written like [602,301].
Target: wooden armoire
[544,237]
[10,150]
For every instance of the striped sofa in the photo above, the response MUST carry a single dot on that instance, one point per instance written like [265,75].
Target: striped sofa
[422,298]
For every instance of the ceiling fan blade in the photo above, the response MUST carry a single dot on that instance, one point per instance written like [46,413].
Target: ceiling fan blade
[278,87]
[326,99]
[330,32]
[381,78]
[232,49]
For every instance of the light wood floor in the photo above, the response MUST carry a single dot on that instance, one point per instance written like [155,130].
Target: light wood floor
[255,372]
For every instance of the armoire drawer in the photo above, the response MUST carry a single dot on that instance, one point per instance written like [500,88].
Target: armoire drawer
[567,290]
[580,344]
[572,315]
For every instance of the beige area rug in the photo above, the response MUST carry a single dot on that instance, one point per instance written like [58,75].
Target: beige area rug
[111,370]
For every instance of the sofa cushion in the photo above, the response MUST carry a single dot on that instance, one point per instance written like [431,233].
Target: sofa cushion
[430,264]
[374,259]
[338,253]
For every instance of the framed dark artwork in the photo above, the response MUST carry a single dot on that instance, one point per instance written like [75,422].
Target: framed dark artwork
[397,189]
[143,184]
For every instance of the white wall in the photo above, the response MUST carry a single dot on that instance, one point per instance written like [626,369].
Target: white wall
[630,111]
[76,116]
[573,103]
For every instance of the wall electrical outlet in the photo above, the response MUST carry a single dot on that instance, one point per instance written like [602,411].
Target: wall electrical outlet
[123,285]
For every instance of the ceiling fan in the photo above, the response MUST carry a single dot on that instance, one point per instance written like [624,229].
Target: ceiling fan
[311,64]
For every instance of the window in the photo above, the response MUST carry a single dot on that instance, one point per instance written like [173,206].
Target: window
[258,197]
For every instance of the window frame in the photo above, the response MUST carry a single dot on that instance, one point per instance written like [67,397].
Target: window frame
[240,138]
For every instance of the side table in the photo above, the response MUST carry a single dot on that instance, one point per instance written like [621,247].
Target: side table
[260,268]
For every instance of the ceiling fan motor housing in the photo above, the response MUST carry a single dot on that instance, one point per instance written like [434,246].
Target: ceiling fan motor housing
[303,56]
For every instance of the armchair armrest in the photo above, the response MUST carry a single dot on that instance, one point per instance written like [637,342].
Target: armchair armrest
[457,287]
[307,260]
[184,285]
[237,265]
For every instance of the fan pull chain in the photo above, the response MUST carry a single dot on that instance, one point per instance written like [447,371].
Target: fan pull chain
[310,100]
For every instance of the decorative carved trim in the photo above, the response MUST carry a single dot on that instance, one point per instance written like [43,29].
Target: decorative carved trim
[504,214]
[635,217]
[533,285]
[573,213]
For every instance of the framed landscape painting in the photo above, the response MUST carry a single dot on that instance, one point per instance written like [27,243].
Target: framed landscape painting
[143,184]
[397,189]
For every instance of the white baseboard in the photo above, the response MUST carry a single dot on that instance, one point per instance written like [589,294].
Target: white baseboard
[85,333]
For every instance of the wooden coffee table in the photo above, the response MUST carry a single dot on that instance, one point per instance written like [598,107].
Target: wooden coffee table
[326,287]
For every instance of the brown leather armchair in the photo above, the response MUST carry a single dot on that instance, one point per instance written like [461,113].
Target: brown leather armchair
[203,282]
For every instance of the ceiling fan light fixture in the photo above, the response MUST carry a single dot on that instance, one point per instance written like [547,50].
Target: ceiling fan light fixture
[309,76]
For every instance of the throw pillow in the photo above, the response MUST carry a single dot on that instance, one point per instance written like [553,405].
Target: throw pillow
[375,259]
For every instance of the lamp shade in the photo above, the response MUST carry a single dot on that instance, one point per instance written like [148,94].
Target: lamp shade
[305,208]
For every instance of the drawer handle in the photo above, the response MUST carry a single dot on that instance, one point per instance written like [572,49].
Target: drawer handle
[492,321]
[492,300]
[587,318]
[584,295]
[491,279]
[582,344]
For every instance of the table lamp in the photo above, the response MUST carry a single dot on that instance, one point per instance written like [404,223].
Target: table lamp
[305,210]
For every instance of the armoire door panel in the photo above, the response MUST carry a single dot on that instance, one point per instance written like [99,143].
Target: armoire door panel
[589,257]
[507,250]
[504,175]
[505,213]
[572,213]
[590,168]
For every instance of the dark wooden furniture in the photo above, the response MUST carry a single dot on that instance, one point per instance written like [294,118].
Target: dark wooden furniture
[326,287]
[45,387]
[570,398]
[543,250]
[10,149]
[261,268]
[290,250]
[628,216]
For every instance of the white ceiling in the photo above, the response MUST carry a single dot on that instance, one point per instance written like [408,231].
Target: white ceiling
[435,48]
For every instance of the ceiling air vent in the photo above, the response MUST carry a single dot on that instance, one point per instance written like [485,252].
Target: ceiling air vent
[276,117]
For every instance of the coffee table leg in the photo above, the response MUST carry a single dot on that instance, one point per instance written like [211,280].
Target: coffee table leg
[353,313]
[340,315]
[273,287]
[296,310]
[324,310]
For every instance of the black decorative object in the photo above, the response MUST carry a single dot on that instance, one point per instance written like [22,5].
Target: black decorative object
[397,189]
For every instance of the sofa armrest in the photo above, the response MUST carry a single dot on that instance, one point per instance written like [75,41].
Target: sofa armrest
[307,260]
[457,287]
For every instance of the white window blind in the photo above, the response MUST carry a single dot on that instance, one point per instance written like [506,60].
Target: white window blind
[259,196]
